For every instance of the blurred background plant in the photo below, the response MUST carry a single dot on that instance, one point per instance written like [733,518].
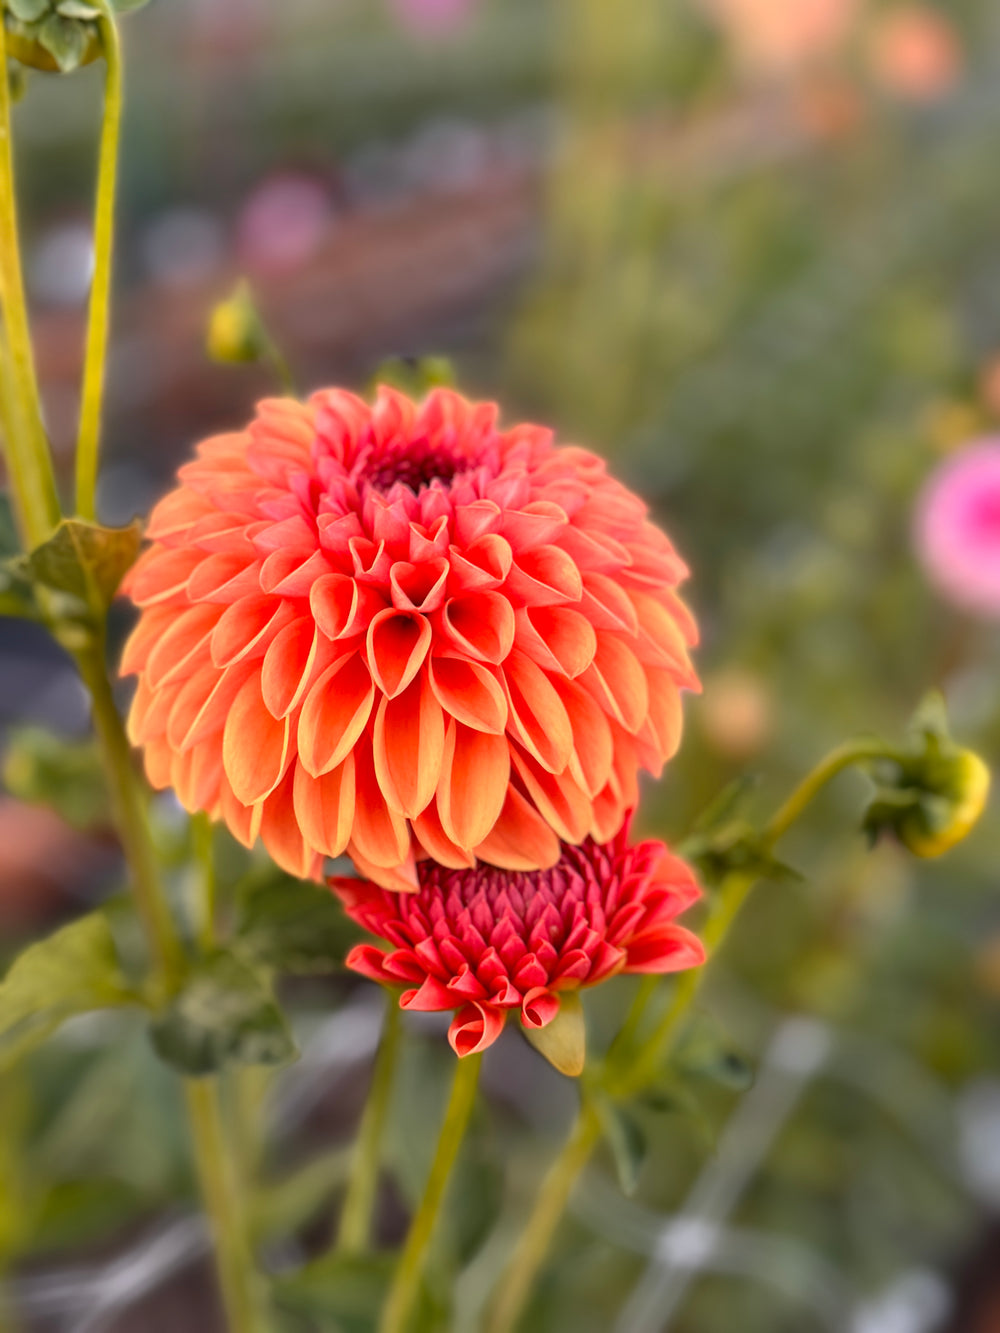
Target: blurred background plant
[747,249]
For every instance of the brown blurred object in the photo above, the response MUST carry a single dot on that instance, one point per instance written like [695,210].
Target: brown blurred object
[44,865]
[914,54]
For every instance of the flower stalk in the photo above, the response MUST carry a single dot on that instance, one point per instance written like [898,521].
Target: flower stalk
[406,1283]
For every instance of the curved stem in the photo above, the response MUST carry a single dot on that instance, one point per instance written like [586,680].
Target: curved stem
[525,1263]
[356,1217]
[100,291]
[25,441]
[406,1283]
[227,1214]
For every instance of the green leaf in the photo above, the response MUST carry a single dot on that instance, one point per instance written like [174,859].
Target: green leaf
[17,596]
[707,1051]
[73,971]
[78,9]
[563,1042]
[345,1294]
[65,775]
[65,40]
[627,1141]
[293,926]
[85,561]
[27,10]
[224,1011]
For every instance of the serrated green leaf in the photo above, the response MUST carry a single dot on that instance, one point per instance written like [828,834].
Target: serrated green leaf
[627,1141]
[563,1042]
[65,775]
[65,40]
[28,10]
[224,1011]
[73,971]
[293,926]
[85,561]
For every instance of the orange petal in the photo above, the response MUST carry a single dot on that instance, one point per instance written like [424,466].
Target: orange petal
[185,636]
[609,815]
[225,576]
[342,606]
[557,638]
[543,576]
[474,775]
[201,707]
[254,745]
[481,624]
[282,836]
[324,806]
[397,645]
[158,759]
[161,572]
[150,712]
[145,636]
[618,682]
[334,714]
[537,716]
[593,746]
[469,692]
[288,665]
[665,710]
[197,779]
[607,605]
[382,835]
[246,628]
[432,838]
[243,821]
[560,800]
[408,743]
[397,879]
[520,839]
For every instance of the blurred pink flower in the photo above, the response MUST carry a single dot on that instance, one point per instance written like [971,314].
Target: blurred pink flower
[781,37]
[958,528]
[283,222]
[432,17]
[914,53]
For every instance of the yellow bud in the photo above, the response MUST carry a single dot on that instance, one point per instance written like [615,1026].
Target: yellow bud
[959,798]
[235,335]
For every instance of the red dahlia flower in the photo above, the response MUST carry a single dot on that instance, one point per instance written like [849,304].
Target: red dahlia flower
[397,630]
[488,942]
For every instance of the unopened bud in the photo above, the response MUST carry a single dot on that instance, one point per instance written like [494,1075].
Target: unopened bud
[235,333]
[947,812]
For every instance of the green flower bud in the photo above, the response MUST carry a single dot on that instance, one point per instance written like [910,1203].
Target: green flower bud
[58,36]
[235,333]
[946,813]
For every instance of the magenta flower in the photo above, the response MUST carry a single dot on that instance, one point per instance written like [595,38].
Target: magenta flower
[957,529]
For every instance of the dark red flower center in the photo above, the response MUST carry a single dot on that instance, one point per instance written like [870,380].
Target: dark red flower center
[414,463]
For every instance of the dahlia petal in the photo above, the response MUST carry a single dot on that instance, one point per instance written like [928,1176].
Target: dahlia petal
[148,631]
[408,745]
[197,784]
[618,682]
[665,711]
[606,605]
[203,702]
[243,821]
[158,760]
[537,524]
[418,587]
[539,1007]
[380,833]
[474,774]
[557,638]
[282,835]
[182,639]
[435,842]
[150,712]
[560,800]
[254,745]
[401,878]
[225,576]
[469,692]
[466,985]
[334,714]
[398,642]
[481,625]
[543,577]
[530,974]
[369,961]
[176,513]
[481,566]
[432,997]
[475,520]
[288,665]
[609,814]
[520,839]
[161,572]
[659,628]
[593,744]
[670,948]
[537,715]
[475,1027]
[324,806]
[246,628]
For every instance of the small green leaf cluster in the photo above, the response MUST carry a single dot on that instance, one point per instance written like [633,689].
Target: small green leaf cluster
[59,35]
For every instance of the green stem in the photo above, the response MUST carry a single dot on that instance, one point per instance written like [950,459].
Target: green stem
[525,1263]
[406,1283]
[26,444]
[225,1208]
[356,1218]
[98,316]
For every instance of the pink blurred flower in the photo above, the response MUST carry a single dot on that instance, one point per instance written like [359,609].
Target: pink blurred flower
[432,17]
[781,37]
[958,528]
[283,222]
[915,54]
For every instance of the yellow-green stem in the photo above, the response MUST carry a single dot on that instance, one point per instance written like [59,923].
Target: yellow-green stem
[98,316]
[227,1212]
[354,1234]
[25,442]
[406,1282]
[519,1276]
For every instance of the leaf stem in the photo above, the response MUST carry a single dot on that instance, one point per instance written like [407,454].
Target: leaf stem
[25,442]
[98,316]
[406,1283]
[354,1235]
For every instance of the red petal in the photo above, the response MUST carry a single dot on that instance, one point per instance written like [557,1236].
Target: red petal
[475,1027]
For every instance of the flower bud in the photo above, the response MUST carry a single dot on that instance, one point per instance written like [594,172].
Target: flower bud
[58,36]
[235,333]
[947,811]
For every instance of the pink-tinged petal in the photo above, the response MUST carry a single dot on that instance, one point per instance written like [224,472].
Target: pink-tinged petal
[324,806]
[176,514]
[342,606]
[254,745]
[537,716]
[665,711]
[480,625]
[607,606]
[288,665]
[481,566]
[557,638]
[161,572]
[593,744]
[418,587]
[369,961]
[334,714]
[475,1027]
[398,642]
[543,577]
[670,948]
[246,628]
[474,774]
[470,692]
[225,576]
[616,679]
[537,524]
[401,878]
[181,645]
[432,997]
[560,800]
[539,1007]
[408,745]
[661,640]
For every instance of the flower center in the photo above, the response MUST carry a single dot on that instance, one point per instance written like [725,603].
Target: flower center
[414,463]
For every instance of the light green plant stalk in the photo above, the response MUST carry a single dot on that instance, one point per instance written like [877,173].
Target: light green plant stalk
[354,1235]
[98,316]
[629,1068]
[25,443]
[406,1282]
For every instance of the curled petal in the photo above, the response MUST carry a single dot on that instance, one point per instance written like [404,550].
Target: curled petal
[481,625]
[398,642]
[475,1027]
[334,714]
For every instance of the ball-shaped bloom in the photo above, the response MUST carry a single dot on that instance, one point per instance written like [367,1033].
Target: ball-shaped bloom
[957,530]
[489,942]
[401,631]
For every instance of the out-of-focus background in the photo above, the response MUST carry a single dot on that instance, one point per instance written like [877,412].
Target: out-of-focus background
[750,250]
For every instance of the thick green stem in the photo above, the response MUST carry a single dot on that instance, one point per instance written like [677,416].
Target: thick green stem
[226,1210]
[406,1283]
[25,442]
[525,1263]
[354,1235]
[100,292]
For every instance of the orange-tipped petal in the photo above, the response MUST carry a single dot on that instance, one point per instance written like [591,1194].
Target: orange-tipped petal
[435,842]
[470,692]
[184,639]
[254,745]
[283,837]
[520,839]
[408,744]
[618,681]
[561,801]
[593,744]
[398,642]
[537,715]
[474,774]
[288,665]
[481,625]
[380,833]
[334,714]
[324,806]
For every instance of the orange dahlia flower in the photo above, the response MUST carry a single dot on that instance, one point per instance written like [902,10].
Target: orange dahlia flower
[401,631]
[489,942]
